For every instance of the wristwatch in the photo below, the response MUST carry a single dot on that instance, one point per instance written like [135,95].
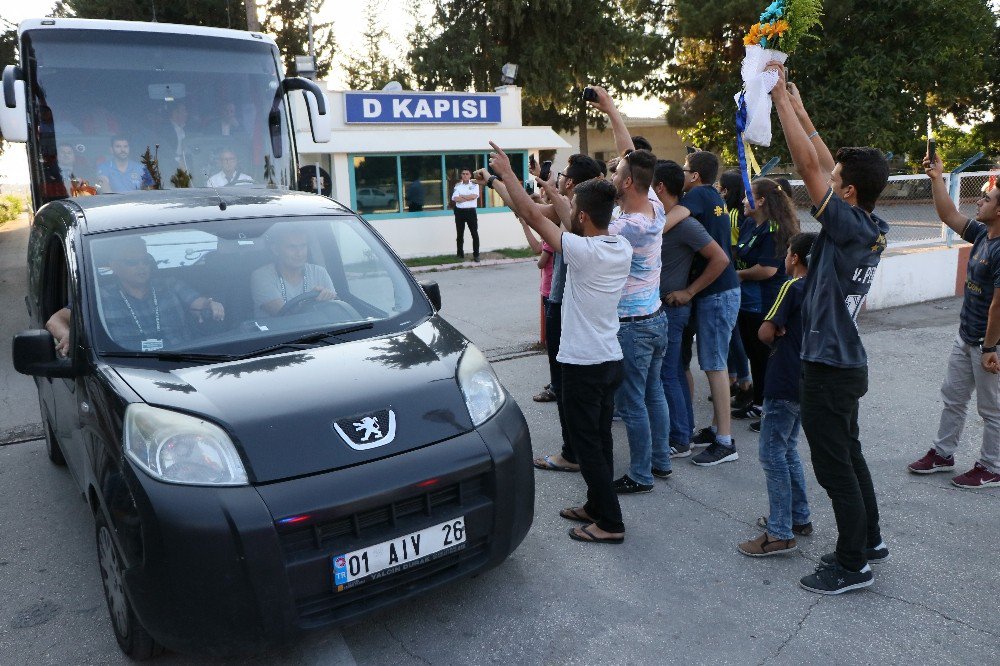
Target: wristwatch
[988,350]
[489,181]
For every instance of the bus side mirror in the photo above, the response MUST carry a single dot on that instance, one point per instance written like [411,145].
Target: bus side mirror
[13,113]
[34,353]
[433,292]
[316,104]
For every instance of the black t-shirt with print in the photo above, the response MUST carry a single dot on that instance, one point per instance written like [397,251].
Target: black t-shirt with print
[981,278]
[842,266]
[706,206]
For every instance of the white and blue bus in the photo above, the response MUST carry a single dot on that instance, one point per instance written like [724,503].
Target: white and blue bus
[91,97]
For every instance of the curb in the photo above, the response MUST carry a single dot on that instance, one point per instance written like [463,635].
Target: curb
[468,264]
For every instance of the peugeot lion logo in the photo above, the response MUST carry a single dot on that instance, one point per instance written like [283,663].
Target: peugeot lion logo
[367,431]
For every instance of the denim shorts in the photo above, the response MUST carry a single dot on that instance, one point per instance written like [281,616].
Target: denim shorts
[716,316]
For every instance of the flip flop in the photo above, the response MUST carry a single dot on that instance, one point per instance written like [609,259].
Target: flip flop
[574,515]
[549,466]
[573,534]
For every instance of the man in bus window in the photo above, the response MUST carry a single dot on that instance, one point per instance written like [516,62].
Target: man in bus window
[120,174]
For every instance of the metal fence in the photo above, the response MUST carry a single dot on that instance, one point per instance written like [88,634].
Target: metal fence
[907,206]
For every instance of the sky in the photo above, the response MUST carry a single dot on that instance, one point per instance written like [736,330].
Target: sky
[348,20]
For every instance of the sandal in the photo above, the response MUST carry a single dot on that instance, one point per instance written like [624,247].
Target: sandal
[545,396]
[572,514]
[574,533]
[549,466]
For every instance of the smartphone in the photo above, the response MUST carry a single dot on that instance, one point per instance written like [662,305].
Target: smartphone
[545,170]
[529,186]
[589,94]
[532,162]
[931,149]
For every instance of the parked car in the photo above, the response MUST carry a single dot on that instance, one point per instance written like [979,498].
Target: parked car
[370,198]
[263,453]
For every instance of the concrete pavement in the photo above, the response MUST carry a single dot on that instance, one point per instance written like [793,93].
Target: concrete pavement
[677,591]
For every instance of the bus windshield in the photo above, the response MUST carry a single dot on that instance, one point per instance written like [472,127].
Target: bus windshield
[121,111]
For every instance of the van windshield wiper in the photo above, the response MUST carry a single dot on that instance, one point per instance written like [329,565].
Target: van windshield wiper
[310,339]
[174,356]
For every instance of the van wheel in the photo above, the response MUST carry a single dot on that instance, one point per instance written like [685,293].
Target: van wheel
[132,637]
[52,447]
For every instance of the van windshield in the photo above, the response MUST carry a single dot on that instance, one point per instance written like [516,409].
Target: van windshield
[234,286]
[122,111]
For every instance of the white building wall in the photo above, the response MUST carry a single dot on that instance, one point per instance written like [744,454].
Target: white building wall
[914,276]
[429,236]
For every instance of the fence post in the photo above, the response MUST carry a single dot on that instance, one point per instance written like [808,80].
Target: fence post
[955,189]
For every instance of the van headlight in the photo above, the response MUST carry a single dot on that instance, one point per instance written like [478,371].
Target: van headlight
[177,448]
[483,393]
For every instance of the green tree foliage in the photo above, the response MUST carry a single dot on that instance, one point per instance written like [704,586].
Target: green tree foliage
[560,47]
[370,68]
[288,21]
[870,75]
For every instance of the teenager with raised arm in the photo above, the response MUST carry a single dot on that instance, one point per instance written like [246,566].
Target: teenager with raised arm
[842,266]
[972,363]
[597,267]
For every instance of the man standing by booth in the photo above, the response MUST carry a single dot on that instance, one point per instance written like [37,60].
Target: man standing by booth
[466,198]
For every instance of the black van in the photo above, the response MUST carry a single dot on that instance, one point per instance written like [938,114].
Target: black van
[274,428]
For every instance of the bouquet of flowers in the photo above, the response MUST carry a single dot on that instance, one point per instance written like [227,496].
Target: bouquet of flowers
[782,26]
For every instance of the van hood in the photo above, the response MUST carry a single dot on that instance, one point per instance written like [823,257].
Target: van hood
[325,408]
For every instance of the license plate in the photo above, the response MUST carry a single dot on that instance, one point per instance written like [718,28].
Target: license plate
[389,557]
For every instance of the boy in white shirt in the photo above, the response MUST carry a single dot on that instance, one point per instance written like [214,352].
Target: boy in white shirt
[597,267]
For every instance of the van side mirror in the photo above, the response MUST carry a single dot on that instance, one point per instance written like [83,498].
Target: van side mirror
[433,292]
[13,112]
[34,353]
[316,104]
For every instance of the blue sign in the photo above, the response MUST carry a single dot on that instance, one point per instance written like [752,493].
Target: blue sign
[421,107]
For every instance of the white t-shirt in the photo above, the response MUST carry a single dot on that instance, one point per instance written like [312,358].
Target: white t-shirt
[222,180]
[596,270]
[461,189]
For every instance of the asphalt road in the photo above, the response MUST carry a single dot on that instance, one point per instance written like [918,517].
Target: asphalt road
[677,591]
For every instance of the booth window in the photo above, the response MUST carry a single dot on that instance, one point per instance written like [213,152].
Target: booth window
[418,185]
[376,184]
[422,179]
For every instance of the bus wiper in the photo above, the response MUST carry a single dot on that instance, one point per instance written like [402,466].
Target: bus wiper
[312,338]
[174,356]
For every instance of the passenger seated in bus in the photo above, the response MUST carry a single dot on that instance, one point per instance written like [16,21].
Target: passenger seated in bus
[74,172]
[120,174]
[230,174]
[174,148]
[227,124]
[143,312]
[291,275]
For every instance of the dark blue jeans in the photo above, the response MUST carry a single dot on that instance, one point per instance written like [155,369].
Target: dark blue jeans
[675,386]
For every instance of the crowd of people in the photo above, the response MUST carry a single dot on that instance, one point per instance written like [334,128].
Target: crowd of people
[645,260]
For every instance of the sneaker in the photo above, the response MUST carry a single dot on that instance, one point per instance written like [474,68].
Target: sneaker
[750,411]
[876,555]
[662,473]
[755,426]
[715,454]
[977,477]
[835,579]
[703,437]
[626,486]
[764,546]
[932,462]
[802,530]
[680,450]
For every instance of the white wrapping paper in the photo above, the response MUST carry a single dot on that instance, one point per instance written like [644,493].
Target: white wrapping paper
[757,85]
